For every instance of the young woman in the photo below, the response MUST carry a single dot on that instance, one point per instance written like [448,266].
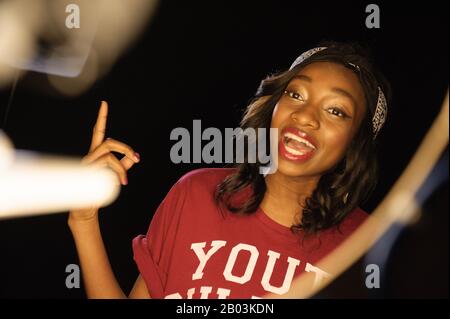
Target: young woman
[234,233]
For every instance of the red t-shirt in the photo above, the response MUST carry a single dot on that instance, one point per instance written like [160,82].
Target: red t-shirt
[193,249]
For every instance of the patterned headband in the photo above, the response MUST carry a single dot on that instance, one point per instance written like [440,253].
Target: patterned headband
[379,116]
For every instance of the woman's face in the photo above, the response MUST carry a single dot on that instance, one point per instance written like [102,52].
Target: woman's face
[317,117]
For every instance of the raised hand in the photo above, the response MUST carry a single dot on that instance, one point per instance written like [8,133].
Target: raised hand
[100,153]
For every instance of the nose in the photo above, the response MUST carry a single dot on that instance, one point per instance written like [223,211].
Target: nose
[306,116]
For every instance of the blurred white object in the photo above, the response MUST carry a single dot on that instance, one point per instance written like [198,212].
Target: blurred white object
[6,152]
[33,184]
[39,36]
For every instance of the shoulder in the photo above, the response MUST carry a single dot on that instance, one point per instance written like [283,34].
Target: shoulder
[357,215]
[205,177]
[197,185]
[335,235]
[353,220]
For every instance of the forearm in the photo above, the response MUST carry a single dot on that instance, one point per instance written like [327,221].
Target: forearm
[98,277]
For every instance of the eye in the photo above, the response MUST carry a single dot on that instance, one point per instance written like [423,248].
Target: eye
[337,112]
[294,95]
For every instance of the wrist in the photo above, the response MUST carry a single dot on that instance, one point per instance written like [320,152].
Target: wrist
[77,221]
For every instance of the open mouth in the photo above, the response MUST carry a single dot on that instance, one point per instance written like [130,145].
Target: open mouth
[296,145]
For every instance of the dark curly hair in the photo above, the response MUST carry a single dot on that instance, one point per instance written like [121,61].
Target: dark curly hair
[350,182]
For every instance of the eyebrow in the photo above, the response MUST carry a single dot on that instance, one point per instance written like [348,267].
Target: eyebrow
[335,90]
[302,77]
[344,93]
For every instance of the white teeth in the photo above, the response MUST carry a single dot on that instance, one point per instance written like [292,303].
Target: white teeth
[299,139]
[292,151]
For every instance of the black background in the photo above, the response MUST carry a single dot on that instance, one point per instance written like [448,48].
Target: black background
[204,60]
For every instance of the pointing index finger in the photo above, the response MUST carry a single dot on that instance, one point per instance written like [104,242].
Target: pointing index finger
[100,126]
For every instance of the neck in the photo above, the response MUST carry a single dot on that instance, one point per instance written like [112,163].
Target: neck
[285,197]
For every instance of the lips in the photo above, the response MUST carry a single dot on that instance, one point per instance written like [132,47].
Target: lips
[296,145]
